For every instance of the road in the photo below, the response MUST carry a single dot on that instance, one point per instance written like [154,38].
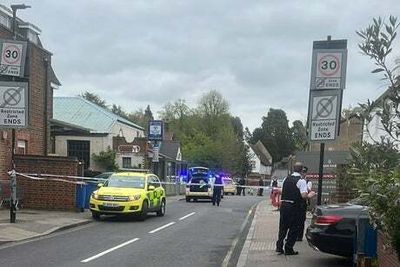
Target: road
[190,234]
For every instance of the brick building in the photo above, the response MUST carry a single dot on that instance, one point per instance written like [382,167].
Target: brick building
[35,139]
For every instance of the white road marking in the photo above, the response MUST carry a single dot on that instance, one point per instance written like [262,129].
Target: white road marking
[187,216]
[110,250]
[162,227]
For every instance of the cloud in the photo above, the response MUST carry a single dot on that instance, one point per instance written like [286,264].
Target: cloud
[256,53]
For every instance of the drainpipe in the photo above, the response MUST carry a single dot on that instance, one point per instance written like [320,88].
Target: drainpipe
[45,112]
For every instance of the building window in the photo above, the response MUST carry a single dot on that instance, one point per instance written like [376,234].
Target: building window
[81,150]
[21,147]
[126,162]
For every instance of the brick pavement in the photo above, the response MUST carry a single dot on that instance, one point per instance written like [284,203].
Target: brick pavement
[259,247]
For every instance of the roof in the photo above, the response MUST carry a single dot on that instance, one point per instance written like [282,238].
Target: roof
[81,112]
[331,160]
[262,153]
[170,148]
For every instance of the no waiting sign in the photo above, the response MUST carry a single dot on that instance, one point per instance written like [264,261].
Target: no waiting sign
[329,65]
[13,55]
[13,105]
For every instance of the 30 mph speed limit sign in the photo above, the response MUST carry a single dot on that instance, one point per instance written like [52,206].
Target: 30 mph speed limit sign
[12,60]
[328,69]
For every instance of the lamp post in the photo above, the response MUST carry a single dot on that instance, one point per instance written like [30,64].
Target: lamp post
[13,181]
[14,10]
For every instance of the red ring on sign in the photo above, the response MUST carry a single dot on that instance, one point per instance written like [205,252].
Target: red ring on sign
[7,60]
[337,62]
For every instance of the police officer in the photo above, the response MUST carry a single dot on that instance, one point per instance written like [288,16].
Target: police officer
[294,190]
[304,206]
[217,190]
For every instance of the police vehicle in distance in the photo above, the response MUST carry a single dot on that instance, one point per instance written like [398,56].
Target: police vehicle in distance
[199,185]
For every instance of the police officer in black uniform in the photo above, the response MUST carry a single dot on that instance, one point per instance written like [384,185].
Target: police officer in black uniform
[294,191]
[217,190]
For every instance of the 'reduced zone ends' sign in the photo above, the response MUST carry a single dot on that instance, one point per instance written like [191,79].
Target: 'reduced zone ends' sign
[13,105]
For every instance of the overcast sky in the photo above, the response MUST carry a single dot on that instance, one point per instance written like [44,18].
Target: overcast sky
[256,53]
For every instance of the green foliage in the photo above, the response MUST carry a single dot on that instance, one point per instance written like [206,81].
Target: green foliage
[106,160]
[209,135]
[299,136]
[94,99]
[376,166]
[277,137]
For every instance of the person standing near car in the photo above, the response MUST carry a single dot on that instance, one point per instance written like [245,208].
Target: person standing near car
[294,190]
[304,206]
[242,182]
[217,190]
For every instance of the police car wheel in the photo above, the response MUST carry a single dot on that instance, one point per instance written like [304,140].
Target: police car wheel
[161,211]
[143,213]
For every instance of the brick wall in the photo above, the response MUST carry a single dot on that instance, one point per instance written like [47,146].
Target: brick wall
[35,134]
[51,195]
[387,257]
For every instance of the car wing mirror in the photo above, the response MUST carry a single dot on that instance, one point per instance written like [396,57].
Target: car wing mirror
[100,185]
[151,188]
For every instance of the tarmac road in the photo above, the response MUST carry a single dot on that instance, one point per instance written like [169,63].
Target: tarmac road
[190,234]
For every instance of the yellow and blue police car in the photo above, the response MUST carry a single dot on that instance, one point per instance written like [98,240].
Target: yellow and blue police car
[130,193]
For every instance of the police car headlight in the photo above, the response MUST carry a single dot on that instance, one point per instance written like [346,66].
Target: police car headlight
[95,195]
[134,197]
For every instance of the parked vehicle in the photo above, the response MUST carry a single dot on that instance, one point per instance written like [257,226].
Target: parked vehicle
[229,186]
[129,193]
[104,175]
[199,187]
[333,227]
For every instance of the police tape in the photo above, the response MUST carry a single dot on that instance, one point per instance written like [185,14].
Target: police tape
[61,178]
[84,180]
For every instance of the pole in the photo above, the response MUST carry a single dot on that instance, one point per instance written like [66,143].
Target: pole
[13,177]
[321,172]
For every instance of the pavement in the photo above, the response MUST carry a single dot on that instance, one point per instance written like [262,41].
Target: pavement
[259,247]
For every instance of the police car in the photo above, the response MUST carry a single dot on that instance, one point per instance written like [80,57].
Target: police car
[130,193]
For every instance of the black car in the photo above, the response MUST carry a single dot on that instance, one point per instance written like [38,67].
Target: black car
[333,228]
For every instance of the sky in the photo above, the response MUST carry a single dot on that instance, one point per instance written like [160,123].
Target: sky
[257,54]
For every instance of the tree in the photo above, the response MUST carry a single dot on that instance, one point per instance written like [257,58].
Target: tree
[275,134]
[299,136]
[138,117]
[94,99]
[106,160]
[118,110]
[377,43]
[212,104]
[376,166]
[209,135]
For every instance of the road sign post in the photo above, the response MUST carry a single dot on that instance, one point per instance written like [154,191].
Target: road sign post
[155,133]
[328,79]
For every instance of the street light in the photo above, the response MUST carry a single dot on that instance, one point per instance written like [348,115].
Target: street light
[13,182]
[14,10]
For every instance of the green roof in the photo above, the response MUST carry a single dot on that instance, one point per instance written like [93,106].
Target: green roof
[81,112]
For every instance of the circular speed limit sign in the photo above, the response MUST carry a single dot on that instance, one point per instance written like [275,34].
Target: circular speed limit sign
[11,54]
[328,64]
